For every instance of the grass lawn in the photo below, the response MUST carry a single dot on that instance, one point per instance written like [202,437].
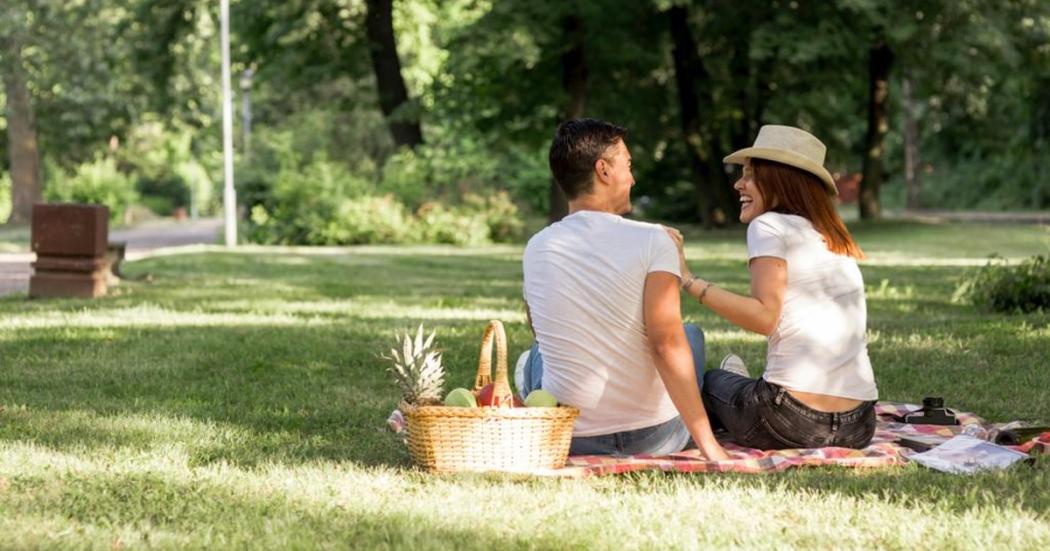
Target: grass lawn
[236,400]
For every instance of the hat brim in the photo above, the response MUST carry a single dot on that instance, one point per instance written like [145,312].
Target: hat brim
[786,157]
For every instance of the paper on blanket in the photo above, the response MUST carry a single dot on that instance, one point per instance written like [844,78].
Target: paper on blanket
[967,455]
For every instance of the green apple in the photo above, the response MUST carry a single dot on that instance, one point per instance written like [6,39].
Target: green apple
[461,398]
[540,398]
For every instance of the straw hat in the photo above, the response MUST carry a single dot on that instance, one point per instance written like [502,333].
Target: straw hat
[791,146]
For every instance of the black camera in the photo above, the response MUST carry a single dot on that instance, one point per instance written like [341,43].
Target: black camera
[932,412]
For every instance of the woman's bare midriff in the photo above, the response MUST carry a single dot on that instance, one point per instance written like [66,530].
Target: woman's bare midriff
[825,403]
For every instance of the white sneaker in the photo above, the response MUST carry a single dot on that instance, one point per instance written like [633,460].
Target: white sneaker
[733,364]
[519,371]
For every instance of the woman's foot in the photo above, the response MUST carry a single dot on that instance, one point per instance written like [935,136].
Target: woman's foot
[733,364]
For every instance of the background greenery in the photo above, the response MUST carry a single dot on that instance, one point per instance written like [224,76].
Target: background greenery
[237,400]
[130,87]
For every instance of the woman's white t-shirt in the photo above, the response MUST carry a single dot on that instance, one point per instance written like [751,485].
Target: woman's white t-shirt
[819,344]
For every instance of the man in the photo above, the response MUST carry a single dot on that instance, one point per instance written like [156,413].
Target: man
[602,297]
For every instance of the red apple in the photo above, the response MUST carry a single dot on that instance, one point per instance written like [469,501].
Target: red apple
[486,398]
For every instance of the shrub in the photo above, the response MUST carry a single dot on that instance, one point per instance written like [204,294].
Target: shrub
[96,182]
[168,173]
[1019,288]
[447,170]
[304,203]
[499,214]
[367,219]
[456,226]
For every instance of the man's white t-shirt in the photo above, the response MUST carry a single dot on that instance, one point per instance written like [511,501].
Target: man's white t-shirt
[584,284]
[819,344]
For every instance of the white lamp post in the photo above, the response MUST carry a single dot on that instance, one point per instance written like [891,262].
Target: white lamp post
[229,196]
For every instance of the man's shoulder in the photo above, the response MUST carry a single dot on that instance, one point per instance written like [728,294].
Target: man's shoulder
[540,237]
[620,232]
[631,224]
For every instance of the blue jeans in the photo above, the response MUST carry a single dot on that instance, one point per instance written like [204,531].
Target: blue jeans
[668,437]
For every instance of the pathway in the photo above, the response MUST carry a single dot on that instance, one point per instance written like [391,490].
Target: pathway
[141,240]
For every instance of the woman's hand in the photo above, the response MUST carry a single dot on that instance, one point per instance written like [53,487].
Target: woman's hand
[679,242]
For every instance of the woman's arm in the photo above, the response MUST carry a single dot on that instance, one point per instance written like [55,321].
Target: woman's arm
[759,312]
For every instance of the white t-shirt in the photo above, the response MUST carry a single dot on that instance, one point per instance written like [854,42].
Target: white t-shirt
[584,283]
[819,344]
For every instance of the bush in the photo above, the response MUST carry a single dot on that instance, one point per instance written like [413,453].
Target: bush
[1011,181]
[447,171]
[367,219]
[326,203]
[383,219]
[303,203]
[441,224]
[1000,287]
[499,214]
[168,173]
[96,182]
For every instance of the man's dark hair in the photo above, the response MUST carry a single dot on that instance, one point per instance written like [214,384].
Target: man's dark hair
[577,145]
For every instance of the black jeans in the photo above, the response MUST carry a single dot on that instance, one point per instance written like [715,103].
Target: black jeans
[762,415]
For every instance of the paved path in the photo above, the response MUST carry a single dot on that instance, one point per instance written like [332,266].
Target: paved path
[141,240]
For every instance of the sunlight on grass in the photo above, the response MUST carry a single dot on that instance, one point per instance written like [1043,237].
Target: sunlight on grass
[322,500]
[236,400]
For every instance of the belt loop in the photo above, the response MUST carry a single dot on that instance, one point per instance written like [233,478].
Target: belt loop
[835,422]
[780,396]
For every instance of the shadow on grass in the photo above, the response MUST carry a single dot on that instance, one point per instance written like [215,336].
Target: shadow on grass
[255,395]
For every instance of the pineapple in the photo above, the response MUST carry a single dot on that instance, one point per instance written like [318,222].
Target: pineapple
[417,369]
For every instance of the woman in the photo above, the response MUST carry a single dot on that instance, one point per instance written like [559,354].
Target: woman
[807,296]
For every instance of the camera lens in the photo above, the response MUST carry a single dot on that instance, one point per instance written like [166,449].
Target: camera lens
[931,402]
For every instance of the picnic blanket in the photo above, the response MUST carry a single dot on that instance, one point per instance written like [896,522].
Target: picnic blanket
[884,451]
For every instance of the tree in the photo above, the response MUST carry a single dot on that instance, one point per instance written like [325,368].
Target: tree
[574,84]
[21,125]
[880,60]
[393,96]
[714,202]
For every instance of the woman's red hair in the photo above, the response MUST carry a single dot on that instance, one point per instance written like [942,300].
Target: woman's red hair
[789,190]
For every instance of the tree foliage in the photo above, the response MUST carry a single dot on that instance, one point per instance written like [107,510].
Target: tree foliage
[486,82]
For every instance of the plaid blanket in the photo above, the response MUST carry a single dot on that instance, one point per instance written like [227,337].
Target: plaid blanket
[884,451]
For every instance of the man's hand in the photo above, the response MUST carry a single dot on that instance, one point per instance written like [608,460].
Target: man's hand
[674,359]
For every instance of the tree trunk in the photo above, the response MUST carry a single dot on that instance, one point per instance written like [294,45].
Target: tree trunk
[21,135]
[743,129]
[881,58]
[393,96]
[912,177]
[574,83]
[712,190]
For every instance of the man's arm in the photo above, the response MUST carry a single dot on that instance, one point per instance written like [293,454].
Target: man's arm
[674,359]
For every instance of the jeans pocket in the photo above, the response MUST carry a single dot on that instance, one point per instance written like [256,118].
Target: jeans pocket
[858,434]
[785,438]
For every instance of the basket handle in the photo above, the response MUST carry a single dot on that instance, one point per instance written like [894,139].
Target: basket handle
[501,386]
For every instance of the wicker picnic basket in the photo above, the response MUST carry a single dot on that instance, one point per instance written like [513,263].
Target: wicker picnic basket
[515,439]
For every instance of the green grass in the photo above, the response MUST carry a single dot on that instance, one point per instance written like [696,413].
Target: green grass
[236,401]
